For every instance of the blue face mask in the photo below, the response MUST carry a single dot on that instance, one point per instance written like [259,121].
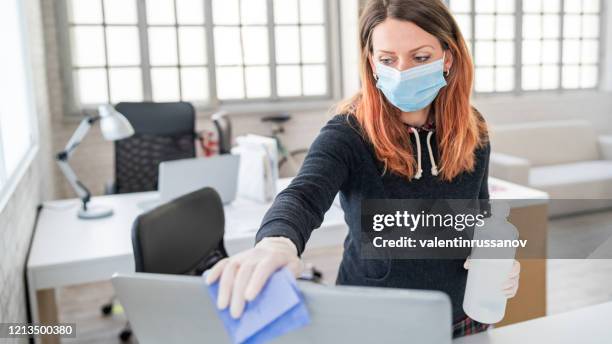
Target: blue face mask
[412,89]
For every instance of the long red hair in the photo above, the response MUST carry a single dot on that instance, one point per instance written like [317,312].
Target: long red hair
[460,130]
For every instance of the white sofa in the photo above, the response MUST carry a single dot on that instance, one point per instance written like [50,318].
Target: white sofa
[564,158]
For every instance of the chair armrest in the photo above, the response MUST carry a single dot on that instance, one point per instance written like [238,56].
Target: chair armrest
[510,168]
[605,147]
[110,188]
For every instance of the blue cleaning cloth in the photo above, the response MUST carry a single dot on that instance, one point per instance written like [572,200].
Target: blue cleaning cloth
[278,309]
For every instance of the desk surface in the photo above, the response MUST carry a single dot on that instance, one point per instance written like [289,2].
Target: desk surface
[62,238]
[67,250]
[589,325]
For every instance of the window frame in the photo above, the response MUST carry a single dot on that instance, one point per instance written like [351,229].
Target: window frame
[518,51]
[73,108]
[9,181]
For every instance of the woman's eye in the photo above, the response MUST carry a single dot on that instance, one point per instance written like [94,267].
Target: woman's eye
[421,59]
[386,61]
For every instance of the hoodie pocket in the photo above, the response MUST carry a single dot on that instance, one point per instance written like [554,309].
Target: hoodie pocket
[376,269]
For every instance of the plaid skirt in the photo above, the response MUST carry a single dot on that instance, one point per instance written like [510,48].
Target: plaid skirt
[468,326]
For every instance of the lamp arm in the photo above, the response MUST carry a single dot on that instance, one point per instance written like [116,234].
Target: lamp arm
[81,190]
[79,134]
[63,156]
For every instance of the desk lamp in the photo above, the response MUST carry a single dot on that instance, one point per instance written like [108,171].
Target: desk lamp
[114,127]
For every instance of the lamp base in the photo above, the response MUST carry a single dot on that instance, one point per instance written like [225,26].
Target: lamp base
[94,212]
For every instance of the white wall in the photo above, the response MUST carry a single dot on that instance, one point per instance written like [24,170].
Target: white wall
[349,23]
[593,106]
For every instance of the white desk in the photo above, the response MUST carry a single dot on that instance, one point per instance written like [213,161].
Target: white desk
[67,251]
[590,325]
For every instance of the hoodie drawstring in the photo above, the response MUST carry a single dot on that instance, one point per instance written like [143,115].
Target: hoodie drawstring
[419,172]
[434,167]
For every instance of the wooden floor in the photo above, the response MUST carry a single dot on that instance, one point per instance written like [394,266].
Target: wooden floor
[572,283]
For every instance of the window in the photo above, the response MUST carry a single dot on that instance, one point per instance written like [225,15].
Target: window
[16,134]
[242,49]
[581,26]
[203,51]
[105,55]
[177,50]
[532,45]
[541,45]
[301,52]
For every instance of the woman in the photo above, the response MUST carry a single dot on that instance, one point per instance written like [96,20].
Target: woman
[416,75]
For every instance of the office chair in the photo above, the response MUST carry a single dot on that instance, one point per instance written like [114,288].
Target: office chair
[183,237]
[224,131]
[163,131]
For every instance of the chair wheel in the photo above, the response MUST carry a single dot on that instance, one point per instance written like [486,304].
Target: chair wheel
[107,309]
[125,335]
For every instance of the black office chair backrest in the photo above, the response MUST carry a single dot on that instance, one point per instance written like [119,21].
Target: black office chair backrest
[184,236]
[224,131]
[163,131]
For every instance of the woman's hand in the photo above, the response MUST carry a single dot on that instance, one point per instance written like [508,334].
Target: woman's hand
[244,275]
[510,287]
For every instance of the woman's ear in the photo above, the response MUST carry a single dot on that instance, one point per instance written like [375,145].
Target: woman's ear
[372,67]
[448,61]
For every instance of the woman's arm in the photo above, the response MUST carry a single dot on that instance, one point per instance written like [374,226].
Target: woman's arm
[295,213]
[300,208]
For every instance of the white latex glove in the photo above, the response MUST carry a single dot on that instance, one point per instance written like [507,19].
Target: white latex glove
[244,275]
[510,287]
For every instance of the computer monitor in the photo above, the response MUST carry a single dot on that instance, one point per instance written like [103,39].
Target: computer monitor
[177,309]
[180,177]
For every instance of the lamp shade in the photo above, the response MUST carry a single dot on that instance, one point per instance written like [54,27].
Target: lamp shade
[113,124]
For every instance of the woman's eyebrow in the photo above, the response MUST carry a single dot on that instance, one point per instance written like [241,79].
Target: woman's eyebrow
[385,51]
[421,47]
[413,50]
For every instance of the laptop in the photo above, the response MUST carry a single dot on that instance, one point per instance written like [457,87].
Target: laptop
[177,309]
[180,177]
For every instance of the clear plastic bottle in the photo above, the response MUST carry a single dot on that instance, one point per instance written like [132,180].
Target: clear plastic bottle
[484,300]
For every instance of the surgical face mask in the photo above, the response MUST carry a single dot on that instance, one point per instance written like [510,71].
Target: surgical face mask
[412,89]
